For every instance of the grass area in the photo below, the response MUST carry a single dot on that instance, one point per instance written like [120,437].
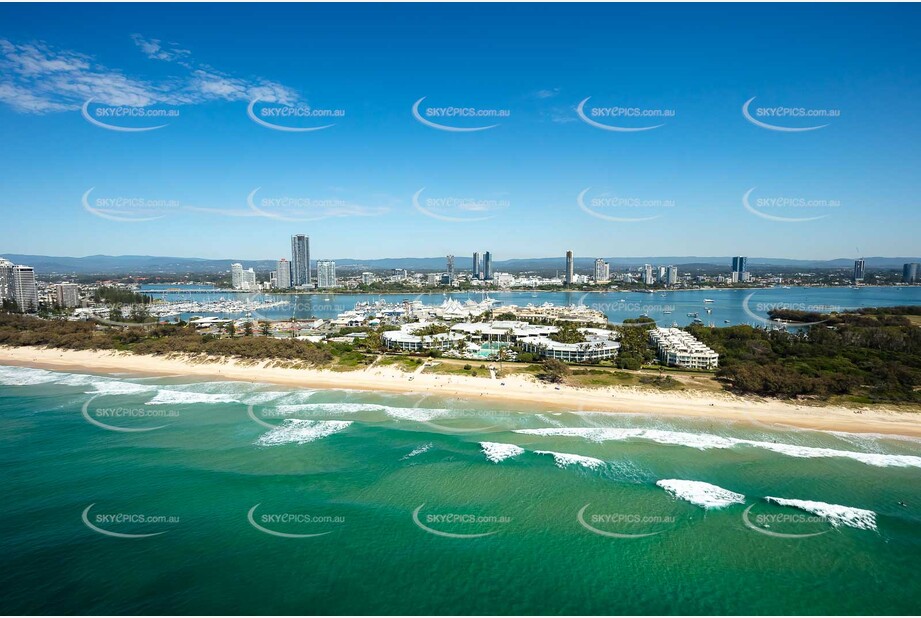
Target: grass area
[458,368]
[601,378]
[405,363]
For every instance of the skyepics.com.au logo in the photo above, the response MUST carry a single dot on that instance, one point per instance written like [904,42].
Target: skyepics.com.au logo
[307,208]
[788,119]
[459,209]
[630,309]
[127,525]
[128,208]
[624,525]
[622,118]
[292,118]
[789,208]
[125,419]
[788,314]
[458,119]
[293,524]
[459,524]
[127,118]
[622,208]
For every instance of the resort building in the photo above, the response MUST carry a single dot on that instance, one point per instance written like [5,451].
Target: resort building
[407,340]
[678,348]
[600,344]
[911,272]
[570,268]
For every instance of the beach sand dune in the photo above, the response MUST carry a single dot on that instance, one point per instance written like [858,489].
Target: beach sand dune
[520,390]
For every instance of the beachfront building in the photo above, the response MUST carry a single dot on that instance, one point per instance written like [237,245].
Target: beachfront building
[570,268]
[600,344]
[19,286]
[911,273]
[476,265]
[678,348]
[407,340]
[326,274]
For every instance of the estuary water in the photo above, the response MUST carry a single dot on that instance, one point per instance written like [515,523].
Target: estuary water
[728,306]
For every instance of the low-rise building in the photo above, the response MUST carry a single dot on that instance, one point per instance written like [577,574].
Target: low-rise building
[678,348]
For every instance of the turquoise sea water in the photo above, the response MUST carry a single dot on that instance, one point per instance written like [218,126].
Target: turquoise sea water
[263,499]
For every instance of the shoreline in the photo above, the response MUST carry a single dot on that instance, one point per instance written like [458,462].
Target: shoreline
[516,389]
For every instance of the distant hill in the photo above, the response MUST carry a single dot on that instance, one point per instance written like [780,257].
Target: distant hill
[147,264]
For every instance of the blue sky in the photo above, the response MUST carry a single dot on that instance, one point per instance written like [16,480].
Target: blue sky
[187,189]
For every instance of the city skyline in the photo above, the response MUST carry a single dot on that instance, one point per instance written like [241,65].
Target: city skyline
[705,182]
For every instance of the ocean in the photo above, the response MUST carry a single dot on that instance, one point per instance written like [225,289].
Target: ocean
[137,495]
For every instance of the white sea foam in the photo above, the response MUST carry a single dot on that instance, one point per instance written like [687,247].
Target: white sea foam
[418,451]
[567,459]
[301,431]
[26,376]
[873,459]
[835,514]
[706,441]
[702,494]
[114,387]
[496,451]
[417,414]
[171,397]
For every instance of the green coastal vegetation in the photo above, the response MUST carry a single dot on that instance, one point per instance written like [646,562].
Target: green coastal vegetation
[869,355]
[865,356]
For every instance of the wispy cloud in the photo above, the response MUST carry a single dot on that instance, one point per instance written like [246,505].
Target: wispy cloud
[547,93]
[39,79]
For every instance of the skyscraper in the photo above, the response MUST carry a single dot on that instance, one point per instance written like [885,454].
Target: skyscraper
[249,280]
[450,271]
[22,288]
[649,275]
[236,276]
[602,271]
[487,266]
[672,276]
[570,269]
[740,265]
[860,270]
[6,276]
[283,274]
[477,274]
[326,274]
[300,260]
[911,273]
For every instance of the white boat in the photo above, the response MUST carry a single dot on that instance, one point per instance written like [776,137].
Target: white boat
[709,300]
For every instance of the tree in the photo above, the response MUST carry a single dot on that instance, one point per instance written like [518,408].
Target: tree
[230,328]
[265,328]
[554,370]
[247,329]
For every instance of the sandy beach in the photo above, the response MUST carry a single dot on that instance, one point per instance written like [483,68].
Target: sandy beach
[518,389]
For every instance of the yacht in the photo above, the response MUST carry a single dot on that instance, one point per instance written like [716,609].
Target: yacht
[693,315]
[708,300]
